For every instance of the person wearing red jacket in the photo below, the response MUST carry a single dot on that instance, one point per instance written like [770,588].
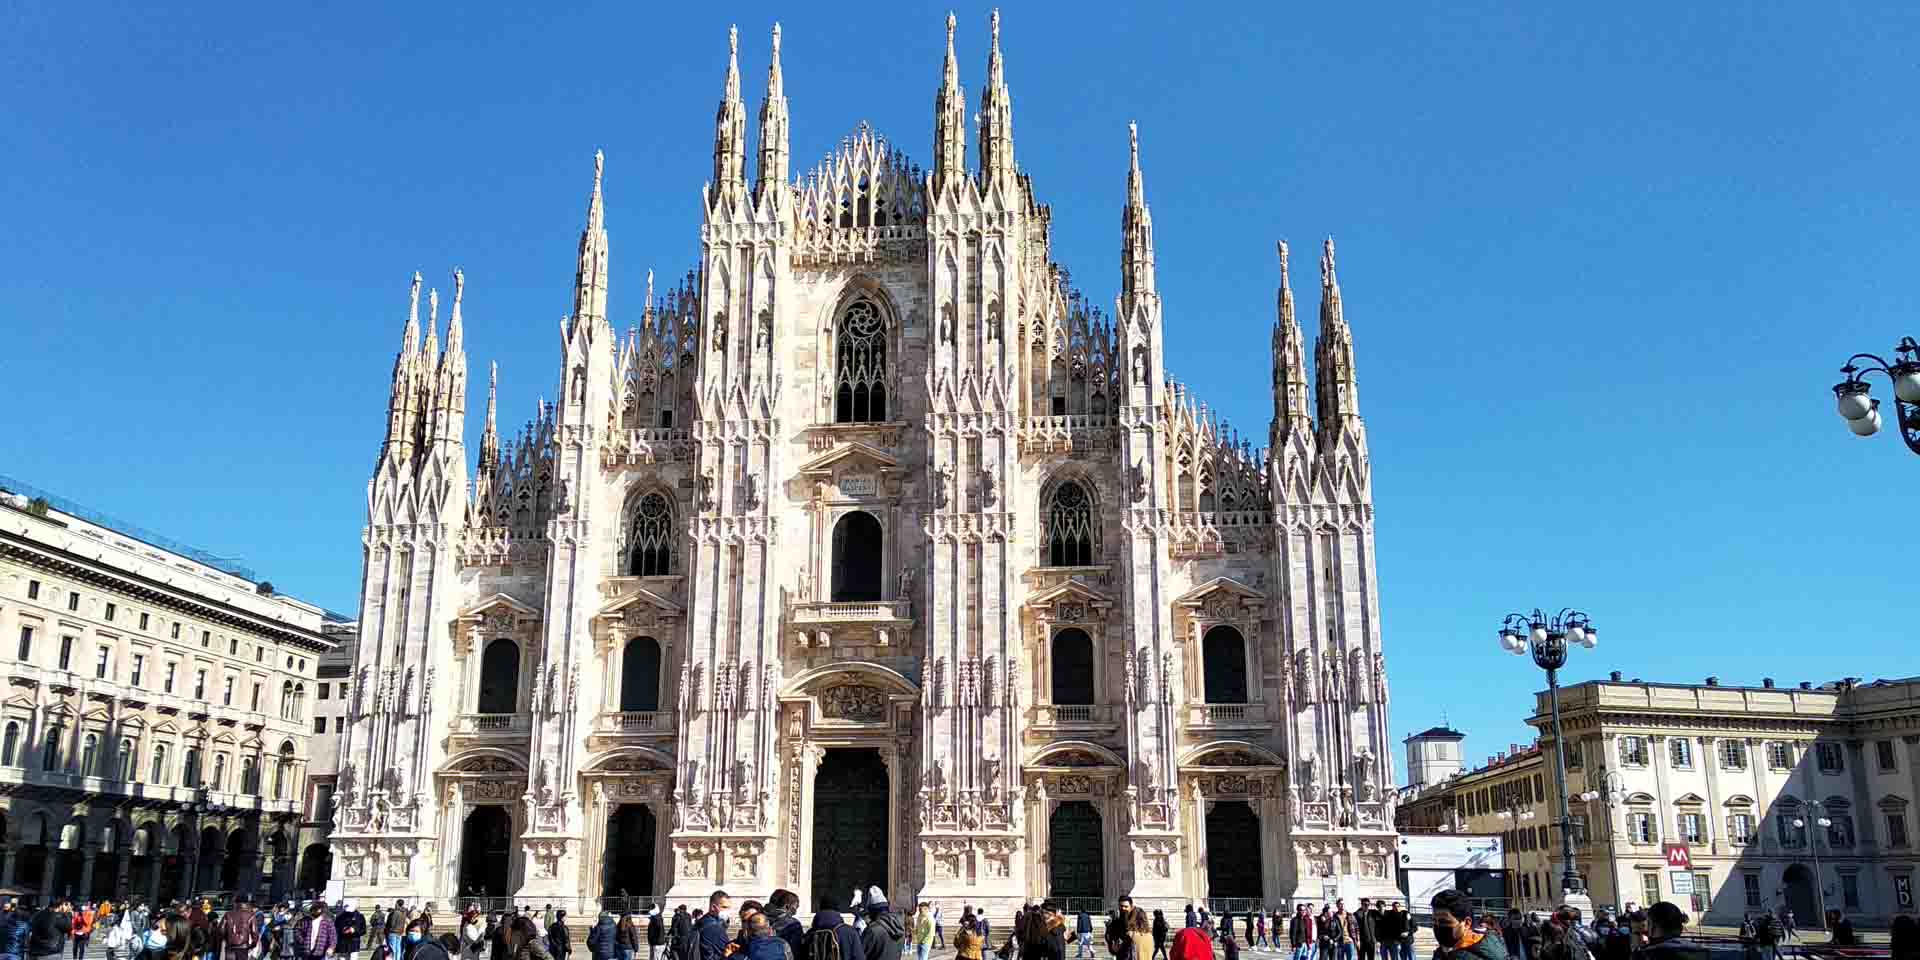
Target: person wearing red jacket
[1191,944]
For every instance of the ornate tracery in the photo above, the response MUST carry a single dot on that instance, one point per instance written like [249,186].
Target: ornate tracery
[860,363]
[1069,529]
[650,538]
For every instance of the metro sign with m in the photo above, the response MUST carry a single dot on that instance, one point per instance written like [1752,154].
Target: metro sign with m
[1678,857]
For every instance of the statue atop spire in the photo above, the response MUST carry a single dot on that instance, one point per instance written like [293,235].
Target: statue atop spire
[410,334]
[730,132]
[1290,388]
[1136,229]
[774,122]
[590,274]
[1336,388]
[490,438]
[949,121]
[996,118]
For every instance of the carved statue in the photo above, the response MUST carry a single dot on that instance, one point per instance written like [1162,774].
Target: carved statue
[564,502]
[706,490]
[1380,678]
[743,778]
[806,585]
[1369,786]
[942,488]
[1137,483]
[749,493]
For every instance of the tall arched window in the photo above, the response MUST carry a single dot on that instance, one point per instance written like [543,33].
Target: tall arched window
[159,778]
[190,770]
[89,755]
[127,763]
[219,771]
[860,364]
[640,676]
[283,772]
[11,745]
[652,538]
[857,558]
[499,677]
[1072,666]
[1224,655]
[1069,526]
[249,774]
[286,700]
[50,751]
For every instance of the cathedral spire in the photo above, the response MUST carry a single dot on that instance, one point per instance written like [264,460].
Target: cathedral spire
[410,335]
[730,131]
[490,438]
[1337,388]
[590,276]
[1290,387]
[402,397]
[1136,231]
[773,129]
[949,121]
[456,332]
[996,119]
[430,353]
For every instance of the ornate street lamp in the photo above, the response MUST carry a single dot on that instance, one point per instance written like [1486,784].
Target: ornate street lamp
[1813,843]
[1862,411]
[1547,639]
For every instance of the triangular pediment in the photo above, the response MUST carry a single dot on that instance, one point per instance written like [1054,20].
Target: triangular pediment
[1693,798]
[1072,591]
[1221,586]
[496,605]
[642,599]
[850,454]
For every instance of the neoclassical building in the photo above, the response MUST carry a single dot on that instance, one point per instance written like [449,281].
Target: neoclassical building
[869,551]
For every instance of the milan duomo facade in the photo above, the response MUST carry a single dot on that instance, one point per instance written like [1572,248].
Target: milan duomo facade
[870,552]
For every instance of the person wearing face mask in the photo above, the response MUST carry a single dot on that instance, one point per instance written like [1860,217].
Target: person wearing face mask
[711,932]
[1453,931]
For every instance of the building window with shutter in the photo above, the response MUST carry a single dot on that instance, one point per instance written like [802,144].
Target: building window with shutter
[1633,751]
[1740,828]
[1693,828]
[1883,751]
[1830,757]
[1680,753]
[1733,755]
[1896,830]
[1640,827]
[1779,755]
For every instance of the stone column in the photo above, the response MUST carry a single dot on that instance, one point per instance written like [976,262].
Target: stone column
[9,859]
[88,854]
[1715,834]
[122,859]
[46,874]
[153,878]
[1198,865]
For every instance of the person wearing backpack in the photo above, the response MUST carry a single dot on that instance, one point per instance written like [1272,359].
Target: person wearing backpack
[830,937]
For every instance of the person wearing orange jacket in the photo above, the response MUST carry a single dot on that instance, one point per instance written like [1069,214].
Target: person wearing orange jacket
[82,929]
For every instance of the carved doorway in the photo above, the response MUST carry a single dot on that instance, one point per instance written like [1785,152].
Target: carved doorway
[857,558]
[849,824]
[629,856]
[1075,867]
[486,846]
[1233,850]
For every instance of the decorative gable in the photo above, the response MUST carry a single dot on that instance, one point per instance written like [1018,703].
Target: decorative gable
[1223,600]
[1071,602]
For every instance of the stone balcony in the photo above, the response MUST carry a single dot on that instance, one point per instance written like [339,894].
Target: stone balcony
[879,623]
[1227,716]
[635,723]
[1074,717]
[482,726]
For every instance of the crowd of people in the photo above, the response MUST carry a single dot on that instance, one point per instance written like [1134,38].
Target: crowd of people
[773,930]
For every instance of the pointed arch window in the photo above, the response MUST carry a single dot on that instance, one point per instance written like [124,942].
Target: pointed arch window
[860,364]
[651,538]
[1069,526]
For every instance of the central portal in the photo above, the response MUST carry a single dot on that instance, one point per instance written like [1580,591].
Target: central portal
[849,824]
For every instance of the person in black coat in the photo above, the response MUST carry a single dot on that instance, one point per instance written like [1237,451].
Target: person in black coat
[559,941]
[682,938]
[656,934]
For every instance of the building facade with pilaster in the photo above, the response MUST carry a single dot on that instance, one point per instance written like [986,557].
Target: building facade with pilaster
[870,551]
[153,731]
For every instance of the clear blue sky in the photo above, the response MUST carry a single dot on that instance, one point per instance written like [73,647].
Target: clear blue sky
[1601,262]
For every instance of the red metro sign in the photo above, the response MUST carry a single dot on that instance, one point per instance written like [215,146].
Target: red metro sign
[1678,858]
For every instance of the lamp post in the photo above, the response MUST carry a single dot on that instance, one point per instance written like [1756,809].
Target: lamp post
[1610,797]
[1813,843]
[1547,639]
[1862,412]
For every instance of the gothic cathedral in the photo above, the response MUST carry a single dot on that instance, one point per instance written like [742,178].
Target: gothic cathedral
[871,552]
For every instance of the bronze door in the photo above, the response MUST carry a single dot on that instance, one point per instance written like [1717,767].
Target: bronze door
[1075,867]
[849,824]
[1233,850]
